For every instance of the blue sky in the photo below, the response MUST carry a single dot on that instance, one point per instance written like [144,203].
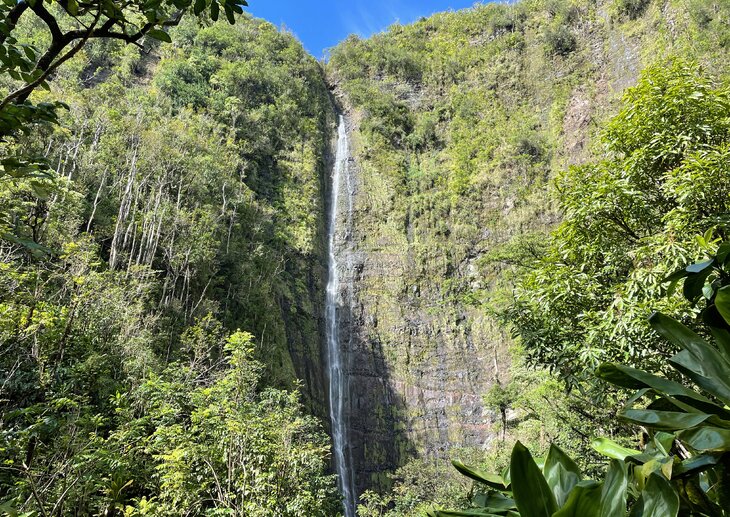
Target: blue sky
[321,24]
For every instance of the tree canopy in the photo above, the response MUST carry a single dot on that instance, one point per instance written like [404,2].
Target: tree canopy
[67,26]
[631,217]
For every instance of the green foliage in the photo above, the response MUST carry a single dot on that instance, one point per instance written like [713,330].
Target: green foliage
[189,440]
[632,9]
[683,464]
[560,40]
[66,29]
[553,486]
[167,220]
[535,408]
[180,199]
[629,220]
[60,31]
[417,486]
[652,482]
[460,121]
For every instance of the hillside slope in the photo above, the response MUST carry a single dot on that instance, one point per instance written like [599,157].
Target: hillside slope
[187,204]
[198,171]
[459,122]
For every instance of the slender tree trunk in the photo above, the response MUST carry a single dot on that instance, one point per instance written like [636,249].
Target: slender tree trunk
[96,200]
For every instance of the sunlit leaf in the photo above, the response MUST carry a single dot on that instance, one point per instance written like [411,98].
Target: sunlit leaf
[531,492]
[561,473]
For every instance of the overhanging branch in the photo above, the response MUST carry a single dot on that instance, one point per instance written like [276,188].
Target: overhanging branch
[12,19]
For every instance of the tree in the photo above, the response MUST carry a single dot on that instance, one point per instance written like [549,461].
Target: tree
[114,357]
[193,439]
[685,457]
[630,218]
[69,25]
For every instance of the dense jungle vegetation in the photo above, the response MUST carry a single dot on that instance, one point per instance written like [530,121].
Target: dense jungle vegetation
[175,201]
[162,240]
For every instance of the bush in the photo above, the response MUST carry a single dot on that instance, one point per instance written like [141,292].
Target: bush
[631,9]
[630,219]
[560,41]
[183,82]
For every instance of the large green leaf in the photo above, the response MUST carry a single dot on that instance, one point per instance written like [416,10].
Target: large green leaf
[699,267]
[628,377]
[695,465]
[159,35]
[694,282]
[529,488]
[584,501]
[199,7]
[668,420]
[718,416]
[723,253]
[705,370]
[716,317]
[722,339]
[658,498]
[663,442]
[612,449]
[698,360]
[707,438]
[561,473]
[491,480]
[494,501]
[722,303]
[657,463]
[230,16]
[614,490]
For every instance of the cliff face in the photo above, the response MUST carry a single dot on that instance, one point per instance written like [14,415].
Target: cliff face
[458,123]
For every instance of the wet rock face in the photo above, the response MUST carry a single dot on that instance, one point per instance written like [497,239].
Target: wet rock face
[416,375]
[418,362]
[422,349]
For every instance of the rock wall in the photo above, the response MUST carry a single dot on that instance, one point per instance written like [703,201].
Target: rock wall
[458,123]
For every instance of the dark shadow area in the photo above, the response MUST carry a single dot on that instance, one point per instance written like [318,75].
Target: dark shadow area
[377,420]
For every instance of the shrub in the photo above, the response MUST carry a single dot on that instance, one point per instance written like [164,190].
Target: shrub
[631,9]
[560,41]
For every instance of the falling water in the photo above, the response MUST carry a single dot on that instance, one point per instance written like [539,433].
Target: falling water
[338,386]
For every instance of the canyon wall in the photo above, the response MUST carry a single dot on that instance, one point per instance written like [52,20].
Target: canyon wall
[459,122]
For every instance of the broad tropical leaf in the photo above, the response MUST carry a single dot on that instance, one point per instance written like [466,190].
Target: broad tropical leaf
[584,501]
[658,499]
[561,473]
[698,360]
[707,438]
[491,480]
[613,491]
[529,488]
[671,420]
[612,449]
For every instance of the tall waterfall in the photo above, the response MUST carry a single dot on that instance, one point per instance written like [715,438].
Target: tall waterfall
[338,382]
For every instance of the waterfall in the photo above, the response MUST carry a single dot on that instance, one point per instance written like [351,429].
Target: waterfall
[338,382]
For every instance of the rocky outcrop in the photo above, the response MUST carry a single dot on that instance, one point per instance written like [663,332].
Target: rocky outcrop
[419,363]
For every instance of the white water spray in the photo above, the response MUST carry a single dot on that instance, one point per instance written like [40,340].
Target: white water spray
[338,382]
